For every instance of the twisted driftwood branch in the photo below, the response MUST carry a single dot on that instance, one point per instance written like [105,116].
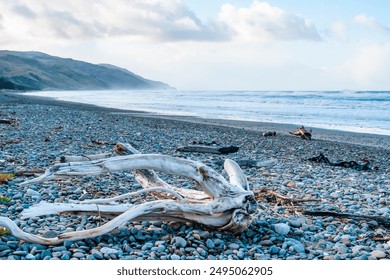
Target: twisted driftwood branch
[223,205]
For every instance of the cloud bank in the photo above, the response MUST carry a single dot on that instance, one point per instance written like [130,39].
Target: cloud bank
[156,20]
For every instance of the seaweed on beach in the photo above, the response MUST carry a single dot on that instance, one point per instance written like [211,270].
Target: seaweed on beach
[347,164]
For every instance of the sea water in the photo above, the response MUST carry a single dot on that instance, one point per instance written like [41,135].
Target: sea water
[356,111]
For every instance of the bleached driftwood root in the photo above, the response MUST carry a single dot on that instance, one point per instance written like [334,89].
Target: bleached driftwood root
[217,203]
[302,132]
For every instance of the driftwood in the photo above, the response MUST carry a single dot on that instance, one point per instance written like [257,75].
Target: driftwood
[302,132]
[208,149]
[385,221]
[347,164]
[8,121]
[64,159]
[269,133]
[31,172]
[216,203]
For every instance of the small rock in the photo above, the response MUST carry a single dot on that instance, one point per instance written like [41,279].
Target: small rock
[273,250]
[175,257]
[346,239]
[78,255]
[378,254]
[45,253]
[106,250]
[282,229]
[290,184]
[210,244]
[299,248]
[30,257]
[180,242]
[240,255]
[97,255]
[65,257]
[49,234]
[296,222]
[33,193]
[234,246]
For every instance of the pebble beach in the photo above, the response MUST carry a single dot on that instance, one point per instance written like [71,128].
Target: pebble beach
[46,129]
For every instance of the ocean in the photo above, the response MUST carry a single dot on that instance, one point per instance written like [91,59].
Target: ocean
[356,111]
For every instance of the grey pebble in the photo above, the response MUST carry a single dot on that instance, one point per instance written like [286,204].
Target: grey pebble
[274,250]
[175,257]
[210,244]
[180,242]
[78,255]
[379,254]
[282,229]
[234,246]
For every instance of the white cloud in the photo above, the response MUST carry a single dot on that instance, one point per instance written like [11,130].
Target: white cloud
[263,22]
[363,19]
[156,20]
[163,20]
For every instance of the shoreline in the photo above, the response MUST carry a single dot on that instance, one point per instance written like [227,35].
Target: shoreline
[358,138]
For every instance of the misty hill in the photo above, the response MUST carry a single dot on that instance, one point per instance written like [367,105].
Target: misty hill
[40,71]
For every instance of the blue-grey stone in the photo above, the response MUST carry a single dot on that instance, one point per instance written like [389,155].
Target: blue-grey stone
[20,253]
[180,242]
[299,248]
[296,222]
[59,249]
[45,253]
[33,193]
[98,255]
[240,255]
[175,257]
[234,246]
[30,257]
[18,196]
[282,229]
[210,244]
[3,247]
[106,250]
[379,254]
[274,250]
[161,248]
[68,244]
[78,255]
[282,252]
[91,257]
[65,257]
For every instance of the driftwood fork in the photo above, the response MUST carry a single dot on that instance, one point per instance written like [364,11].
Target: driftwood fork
[216,203]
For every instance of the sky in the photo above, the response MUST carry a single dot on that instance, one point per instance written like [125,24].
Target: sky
[214,44]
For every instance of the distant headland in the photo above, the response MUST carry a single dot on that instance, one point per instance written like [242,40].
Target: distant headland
[39,71]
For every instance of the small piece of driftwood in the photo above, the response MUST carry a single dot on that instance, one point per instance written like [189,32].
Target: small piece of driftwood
[208,149]
[385,221]
[31,172]
[303,133]
[347,164]
[269,133]
[8,121]
[64,159]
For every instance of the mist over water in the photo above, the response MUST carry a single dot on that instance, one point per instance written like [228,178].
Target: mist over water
[357,111]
